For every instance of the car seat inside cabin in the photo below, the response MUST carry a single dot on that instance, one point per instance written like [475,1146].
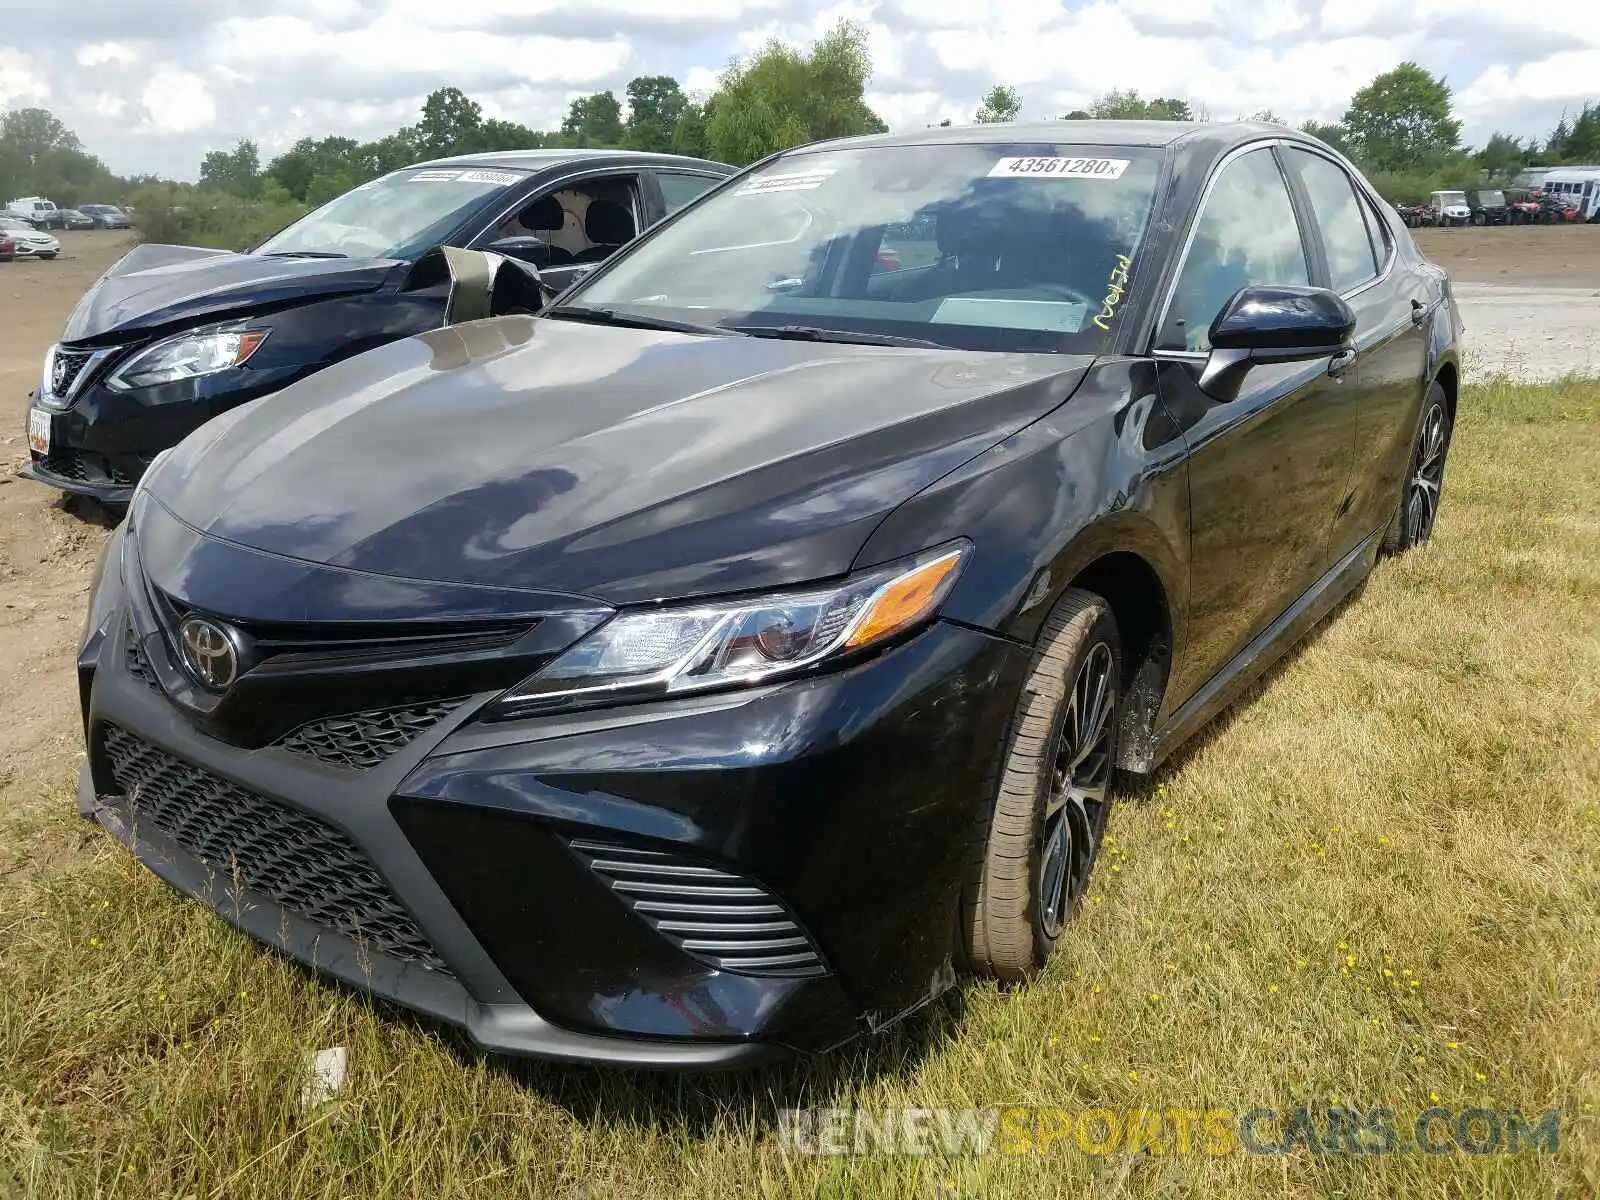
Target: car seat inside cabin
[581,224]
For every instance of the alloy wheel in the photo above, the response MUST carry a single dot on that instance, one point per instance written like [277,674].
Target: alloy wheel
[1427,474]
[1075,808]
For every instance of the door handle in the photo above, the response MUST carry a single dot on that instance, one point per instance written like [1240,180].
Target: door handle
[1340,363]
[1420,312]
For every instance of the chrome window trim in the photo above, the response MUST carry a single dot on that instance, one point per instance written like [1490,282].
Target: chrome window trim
[1221,165]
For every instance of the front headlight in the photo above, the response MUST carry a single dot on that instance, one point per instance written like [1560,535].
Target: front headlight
[651,654]
[188,356]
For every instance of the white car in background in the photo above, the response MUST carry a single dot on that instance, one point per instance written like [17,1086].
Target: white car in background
[31,242]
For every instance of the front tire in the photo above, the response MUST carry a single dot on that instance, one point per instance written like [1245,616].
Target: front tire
[1412,523]
[1035,849]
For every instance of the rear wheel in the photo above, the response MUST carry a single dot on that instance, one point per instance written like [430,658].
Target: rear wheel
[1035,849]
[1413,522]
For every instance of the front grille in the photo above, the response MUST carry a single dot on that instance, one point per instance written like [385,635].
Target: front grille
[295,860]
[364,739]
[65,367]
[725,920]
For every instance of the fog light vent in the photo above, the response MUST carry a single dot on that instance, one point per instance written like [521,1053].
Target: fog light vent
[727,921]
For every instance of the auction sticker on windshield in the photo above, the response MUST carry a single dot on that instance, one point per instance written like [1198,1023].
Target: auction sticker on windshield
[1058,167]
[792,181]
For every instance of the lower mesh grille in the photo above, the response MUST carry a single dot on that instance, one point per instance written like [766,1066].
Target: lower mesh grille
[287,856]
[364,739]
[68,464]
[725,920]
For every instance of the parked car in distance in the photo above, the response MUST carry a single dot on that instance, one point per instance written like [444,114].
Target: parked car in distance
[72,218]
[106,216]
[719,661]
[1450,208]
[30,242]
[1489,207]
[8,247]
[170,336]
[37,211]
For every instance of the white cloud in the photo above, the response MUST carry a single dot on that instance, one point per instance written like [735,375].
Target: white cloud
[158,83]
[178,102]
[20,80]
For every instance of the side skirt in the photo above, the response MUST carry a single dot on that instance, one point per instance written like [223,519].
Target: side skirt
[1266,648]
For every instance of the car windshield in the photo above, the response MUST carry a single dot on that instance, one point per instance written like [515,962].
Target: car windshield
[1492,198]
[13,223]
[395,216]
[974,246]
[1452,197]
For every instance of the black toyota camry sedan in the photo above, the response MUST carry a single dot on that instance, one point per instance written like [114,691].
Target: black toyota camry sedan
[721,661]
[170,336]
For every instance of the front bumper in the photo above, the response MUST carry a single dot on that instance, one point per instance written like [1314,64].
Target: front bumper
[103,440]
[500,863]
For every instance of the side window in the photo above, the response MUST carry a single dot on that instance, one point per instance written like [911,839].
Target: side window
[1351,261]
[1247,234]
[677,190]
[583,221]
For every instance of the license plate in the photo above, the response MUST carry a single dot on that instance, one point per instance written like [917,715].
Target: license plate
[39,430]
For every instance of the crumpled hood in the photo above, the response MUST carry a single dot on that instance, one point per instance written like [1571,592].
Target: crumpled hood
[153,287]
[621,464]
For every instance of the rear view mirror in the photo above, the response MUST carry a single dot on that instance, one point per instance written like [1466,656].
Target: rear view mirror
[524,248]
[1272,323]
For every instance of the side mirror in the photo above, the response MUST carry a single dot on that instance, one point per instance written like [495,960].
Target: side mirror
[524,248]
[1271,323]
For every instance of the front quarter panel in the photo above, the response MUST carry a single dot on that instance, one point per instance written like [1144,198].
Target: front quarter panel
[1104,473]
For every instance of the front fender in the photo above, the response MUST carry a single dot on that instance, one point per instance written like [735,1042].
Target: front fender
[1105,473]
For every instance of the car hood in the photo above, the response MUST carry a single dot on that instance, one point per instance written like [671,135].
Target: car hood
[622,464]
[154,287]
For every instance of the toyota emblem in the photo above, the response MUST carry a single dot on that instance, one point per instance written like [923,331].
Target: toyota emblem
[209,653]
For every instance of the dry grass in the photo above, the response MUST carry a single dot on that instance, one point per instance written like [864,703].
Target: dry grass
[1419,788]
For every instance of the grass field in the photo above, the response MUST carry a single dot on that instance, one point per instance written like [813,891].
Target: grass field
[1374,883]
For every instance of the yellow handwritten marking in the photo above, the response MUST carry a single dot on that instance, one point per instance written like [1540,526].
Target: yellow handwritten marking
[1115,286]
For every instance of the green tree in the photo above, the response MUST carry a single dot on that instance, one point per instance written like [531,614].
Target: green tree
[451,124]
[1000,103]
[1333,133]
[593,121]
[1502,157]
[655,106]
[1128,105]
[236,171]
[1267,117]
[1401,121]
[689,133]
[782,97]
[1581,142]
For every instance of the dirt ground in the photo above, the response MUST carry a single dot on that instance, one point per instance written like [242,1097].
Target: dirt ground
[1565,256]
[47,552]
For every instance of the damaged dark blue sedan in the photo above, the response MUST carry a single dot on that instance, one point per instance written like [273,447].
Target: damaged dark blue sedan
[719,662]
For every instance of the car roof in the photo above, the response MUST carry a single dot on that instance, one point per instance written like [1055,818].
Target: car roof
[539,160]
[1220,135]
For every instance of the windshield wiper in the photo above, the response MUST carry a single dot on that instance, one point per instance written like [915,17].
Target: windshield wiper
[304,254]
[813,333]
[610,316]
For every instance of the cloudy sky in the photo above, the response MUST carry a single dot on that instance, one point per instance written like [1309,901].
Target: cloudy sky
[150,85]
